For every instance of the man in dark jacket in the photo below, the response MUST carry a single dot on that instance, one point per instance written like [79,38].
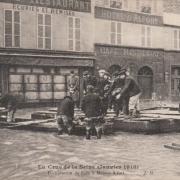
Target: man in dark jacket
[103,85]
[114,91]
[92,107]
[65,115]
[130,88]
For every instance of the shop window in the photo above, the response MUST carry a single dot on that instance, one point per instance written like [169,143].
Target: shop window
[116,33]
[74,34]
[146,36]
[44,31]
[12,28]
[38,87]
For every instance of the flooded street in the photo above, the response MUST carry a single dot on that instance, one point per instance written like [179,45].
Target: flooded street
[29,155]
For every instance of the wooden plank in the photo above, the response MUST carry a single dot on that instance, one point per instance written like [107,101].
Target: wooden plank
[161,116]
[31,122]
[172,147]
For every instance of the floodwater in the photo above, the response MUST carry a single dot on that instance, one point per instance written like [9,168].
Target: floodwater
[28,155]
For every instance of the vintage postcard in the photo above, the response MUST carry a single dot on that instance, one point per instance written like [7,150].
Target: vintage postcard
[89,89]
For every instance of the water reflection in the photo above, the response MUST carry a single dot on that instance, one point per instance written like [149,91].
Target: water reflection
[22,152]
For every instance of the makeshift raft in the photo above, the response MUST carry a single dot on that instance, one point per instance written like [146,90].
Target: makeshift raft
[150,122]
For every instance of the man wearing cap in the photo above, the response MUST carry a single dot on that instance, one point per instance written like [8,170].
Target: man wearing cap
[92,107]
[130,89]
[73,87]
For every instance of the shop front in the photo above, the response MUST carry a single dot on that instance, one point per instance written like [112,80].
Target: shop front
[40,78]
[146,66]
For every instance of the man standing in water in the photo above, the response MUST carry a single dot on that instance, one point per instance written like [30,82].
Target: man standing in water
[65,115]
[92,107]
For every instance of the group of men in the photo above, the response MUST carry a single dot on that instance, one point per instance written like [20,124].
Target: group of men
[101,93]
[117,91]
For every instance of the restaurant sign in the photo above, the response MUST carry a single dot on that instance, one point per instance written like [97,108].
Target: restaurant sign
[73,5]
[125,16]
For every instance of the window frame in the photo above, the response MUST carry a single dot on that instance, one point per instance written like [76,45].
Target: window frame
[13,28]
[116,33]
[146,38]
[74,29]
[44,27]
[176,41]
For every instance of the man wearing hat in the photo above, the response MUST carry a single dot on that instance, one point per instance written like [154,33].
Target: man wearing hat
[130,89]
[103,85]
[88,80]
[92,107]
[115,90]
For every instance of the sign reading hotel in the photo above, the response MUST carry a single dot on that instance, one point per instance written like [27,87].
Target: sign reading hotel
[124,16]
[73,5]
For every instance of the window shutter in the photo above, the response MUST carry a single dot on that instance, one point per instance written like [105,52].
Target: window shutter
[8,28]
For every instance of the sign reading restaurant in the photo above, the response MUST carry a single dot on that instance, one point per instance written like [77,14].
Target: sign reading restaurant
[74,5]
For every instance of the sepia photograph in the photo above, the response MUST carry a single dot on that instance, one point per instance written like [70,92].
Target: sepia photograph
[89,89]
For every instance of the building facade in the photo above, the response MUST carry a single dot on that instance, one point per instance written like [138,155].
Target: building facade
[41,41]
[130,34]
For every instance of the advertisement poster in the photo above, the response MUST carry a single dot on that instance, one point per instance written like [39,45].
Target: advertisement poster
[89,89]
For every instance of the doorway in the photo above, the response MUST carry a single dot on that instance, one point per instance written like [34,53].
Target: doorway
[145,80]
